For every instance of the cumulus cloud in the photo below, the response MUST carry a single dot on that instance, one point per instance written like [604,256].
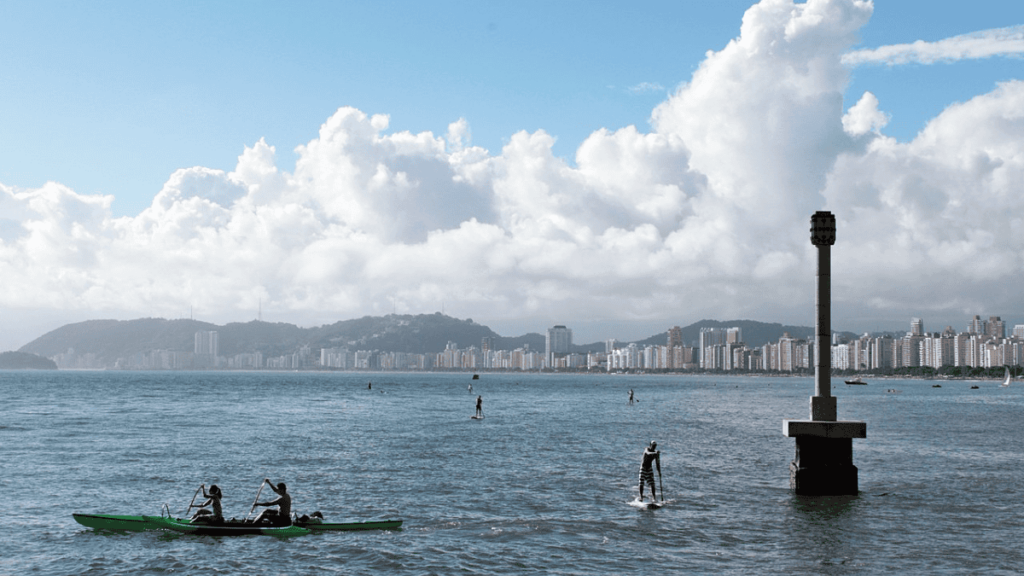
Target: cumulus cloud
[864,116]
[704,216]
[984,44]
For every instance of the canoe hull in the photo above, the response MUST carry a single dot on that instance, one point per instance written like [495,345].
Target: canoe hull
[115,522]
[120,522]
[352,526]
[226,529]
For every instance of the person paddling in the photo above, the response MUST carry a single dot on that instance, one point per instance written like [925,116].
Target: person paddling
[283,514]
[213,501]
[479,406]
[630,396]
[651,455]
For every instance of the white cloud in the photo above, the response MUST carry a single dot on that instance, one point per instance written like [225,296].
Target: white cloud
[645,88]
[706,216]
[984,44]
[864,116]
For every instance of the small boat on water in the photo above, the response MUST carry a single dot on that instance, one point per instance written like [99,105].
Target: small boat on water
[856,382]
[297,526]
[125,523]
[975,387]
[1006,379]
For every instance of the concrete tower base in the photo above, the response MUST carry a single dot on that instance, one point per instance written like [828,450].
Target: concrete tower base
[823,465]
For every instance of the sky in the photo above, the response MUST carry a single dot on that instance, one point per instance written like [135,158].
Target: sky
[616,169]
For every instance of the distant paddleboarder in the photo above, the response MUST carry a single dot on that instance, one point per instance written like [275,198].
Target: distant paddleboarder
[630,396]
[479,406]
[651,456]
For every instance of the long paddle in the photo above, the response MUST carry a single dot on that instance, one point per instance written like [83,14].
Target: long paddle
[662,486]
[189,509]
[258,492]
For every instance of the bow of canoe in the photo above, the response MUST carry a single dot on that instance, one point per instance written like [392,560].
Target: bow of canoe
[115,522]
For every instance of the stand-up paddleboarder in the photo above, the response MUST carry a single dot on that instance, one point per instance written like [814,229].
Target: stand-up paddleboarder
[479,406]
[630,396]
[651,455]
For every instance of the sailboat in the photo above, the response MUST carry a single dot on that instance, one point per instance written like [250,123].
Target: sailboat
[1006,380]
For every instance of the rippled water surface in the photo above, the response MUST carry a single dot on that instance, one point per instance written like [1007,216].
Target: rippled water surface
[541,485]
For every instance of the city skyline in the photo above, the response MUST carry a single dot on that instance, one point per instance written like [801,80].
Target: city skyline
[984,343]
[601,167]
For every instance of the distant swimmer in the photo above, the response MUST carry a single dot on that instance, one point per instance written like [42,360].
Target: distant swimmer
[630,396]
[651,455]
[479,406]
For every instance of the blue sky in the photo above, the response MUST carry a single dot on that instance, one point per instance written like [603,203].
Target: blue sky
[112,97]
[138,113]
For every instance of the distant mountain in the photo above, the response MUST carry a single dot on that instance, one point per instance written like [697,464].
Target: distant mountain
[23,361]
[754,333]
[109,340]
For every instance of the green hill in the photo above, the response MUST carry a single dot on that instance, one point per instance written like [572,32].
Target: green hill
[24,361]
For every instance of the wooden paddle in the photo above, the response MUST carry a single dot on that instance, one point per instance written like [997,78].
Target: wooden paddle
[189,509]
[258,492]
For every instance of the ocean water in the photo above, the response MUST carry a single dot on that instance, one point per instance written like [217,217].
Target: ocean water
[541,485]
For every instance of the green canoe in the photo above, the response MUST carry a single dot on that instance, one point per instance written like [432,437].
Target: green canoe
[115,522]
[139,523]
[229,528]
[348,526]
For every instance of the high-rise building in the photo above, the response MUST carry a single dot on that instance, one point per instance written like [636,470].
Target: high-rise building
[976,326]
[558,343]
[995,327]
[711,357]
[675,337]
[207,343]
[916,327]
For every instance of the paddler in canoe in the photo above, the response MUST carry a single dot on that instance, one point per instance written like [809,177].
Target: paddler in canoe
[283,515]
[213,501]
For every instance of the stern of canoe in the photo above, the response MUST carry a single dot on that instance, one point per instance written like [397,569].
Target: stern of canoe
[350,526]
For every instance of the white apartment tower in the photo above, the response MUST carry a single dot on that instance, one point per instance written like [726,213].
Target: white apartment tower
[207,343]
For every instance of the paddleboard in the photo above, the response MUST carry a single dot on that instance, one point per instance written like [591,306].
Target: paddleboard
[476,417]
[646,504]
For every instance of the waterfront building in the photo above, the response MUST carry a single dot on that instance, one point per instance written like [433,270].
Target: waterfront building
[557,344]
[881,352]
[207,343]
[675,337]
[916,327]
[712,342]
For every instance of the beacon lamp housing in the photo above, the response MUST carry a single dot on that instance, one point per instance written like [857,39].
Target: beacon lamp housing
[823,229]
